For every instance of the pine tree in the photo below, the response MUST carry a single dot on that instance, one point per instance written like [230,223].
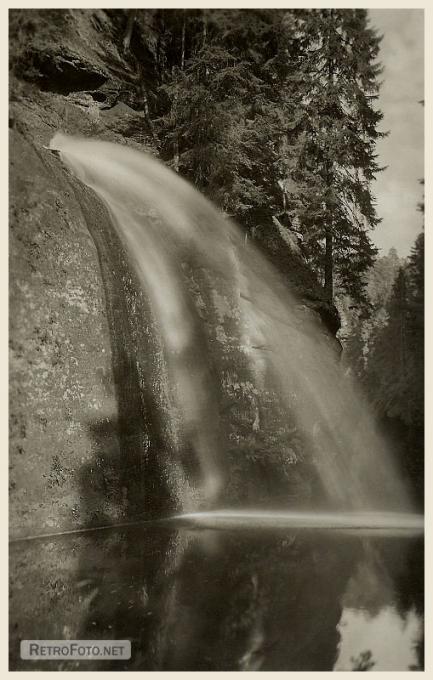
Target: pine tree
[335,84]
[381,277]
[415,270]
[361,324]
[389,361]
[271,114]
[394,370]
[224,119]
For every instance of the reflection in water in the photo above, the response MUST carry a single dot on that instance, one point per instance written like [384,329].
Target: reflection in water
[223,600]
[390,638]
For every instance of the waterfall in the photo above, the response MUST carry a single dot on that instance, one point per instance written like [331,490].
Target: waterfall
[165,224]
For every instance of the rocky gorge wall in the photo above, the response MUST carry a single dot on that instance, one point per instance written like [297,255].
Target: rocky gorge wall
[89,400]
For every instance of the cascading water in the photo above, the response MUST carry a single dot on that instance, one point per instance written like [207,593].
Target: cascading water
[165,224]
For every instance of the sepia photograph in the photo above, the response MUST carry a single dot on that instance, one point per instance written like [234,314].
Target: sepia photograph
[216,339]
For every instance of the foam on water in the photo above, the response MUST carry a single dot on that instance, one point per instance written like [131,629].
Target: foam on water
[364,521]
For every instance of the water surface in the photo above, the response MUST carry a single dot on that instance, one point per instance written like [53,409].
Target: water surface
[233,599]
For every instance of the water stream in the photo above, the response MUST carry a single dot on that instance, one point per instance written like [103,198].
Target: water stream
[167,226]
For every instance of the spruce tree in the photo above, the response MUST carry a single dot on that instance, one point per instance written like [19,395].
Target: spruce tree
[415,270]
[389,361]
[394,369]
[336,85]
[361,325]
[272,115]
[223,119]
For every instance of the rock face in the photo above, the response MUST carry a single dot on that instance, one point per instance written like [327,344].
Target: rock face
[87,438]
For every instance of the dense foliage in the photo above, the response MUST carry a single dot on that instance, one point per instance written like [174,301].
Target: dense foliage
[272,114]
[386,352]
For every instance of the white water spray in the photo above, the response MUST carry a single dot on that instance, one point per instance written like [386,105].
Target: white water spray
[164,223]
[387,523]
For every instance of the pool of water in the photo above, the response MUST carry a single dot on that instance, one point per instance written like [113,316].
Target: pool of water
[215,600]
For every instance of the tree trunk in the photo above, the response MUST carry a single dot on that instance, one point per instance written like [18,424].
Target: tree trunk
[182,56]
[176,135]
[329,249]
[204,28]
[129,26]
[329,266]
